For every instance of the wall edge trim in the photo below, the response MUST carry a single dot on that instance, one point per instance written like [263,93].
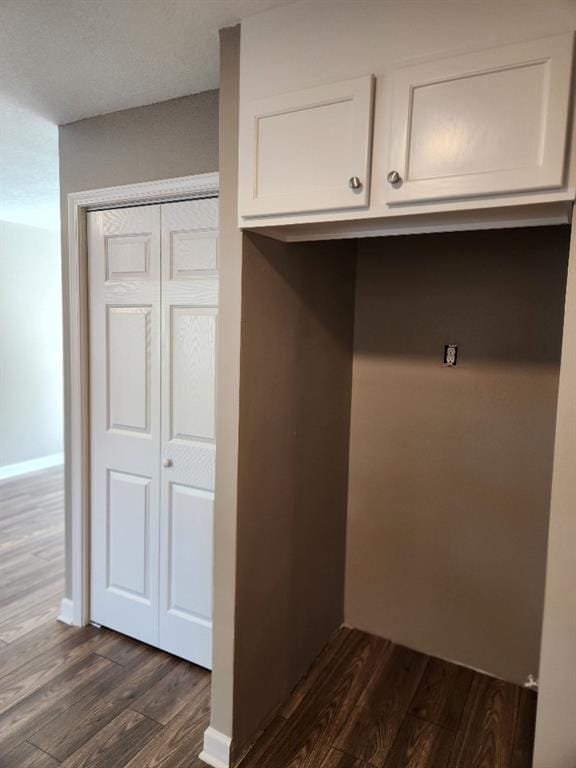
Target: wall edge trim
[66,615]
[32,465]
[216,750]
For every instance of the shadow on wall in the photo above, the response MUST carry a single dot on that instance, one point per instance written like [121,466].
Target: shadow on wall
[295,383]
[499,294]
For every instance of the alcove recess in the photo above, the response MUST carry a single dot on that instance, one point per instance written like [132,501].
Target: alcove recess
[376,486]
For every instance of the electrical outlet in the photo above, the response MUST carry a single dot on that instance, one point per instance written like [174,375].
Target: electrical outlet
[450,354]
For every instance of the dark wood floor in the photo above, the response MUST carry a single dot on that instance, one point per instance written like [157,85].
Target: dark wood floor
[89,698]
[369,703]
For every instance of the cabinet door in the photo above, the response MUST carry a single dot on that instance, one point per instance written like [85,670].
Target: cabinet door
[483,123]
[308,150]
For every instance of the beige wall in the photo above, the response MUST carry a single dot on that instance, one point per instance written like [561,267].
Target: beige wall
[450,469]
[296,367]
[555,732]
[160,141]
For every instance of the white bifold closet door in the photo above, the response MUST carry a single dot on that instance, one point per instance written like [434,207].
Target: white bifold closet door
[153,287]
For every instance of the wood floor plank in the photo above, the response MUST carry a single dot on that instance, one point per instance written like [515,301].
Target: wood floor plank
[525,725]
[40,573]
[24,566]
[34,616]
[52,551]
[310,732]
[9,555]
[179,688]
[486,736]
[116,744]
[372,729]
[126,651]
[37,642]
[62,692]
[37,597]
[180,742]
[320,667]
[67,733]
[25,679]
[337,759]
[420,744]
[31,516]
[30,538]
[28,756]
[9,567]
[264,744]
[442,693]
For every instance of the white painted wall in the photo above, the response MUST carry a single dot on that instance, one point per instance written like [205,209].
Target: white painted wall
[30,348]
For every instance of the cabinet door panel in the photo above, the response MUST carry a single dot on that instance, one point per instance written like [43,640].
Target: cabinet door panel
[485,123]
[303,148]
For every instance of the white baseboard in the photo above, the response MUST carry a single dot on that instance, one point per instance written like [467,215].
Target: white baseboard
[66,615]
[33,465]
[216,750]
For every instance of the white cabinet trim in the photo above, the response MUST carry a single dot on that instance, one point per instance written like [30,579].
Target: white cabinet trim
[217,748]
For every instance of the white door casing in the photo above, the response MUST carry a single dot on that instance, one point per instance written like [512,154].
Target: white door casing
[153,312]
[482,123]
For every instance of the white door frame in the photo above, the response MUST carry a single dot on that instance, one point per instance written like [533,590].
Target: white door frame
[76,608]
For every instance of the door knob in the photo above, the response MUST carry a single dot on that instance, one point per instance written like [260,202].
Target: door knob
[394,177]
[167,462]
[354,182]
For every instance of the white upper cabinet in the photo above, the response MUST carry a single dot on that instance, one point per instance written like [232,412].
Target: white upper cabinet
[479,124]
[307,150]
[469,104]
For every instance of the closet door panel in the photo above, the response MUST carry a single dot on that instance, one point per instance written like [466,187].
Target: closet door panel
[124,281]
[129,376]
[129,532]
[189,340]
[193,372]
[187,626]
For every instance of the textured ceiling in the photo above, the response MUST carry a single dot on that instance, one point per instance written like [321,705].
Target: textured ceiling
[63,60]
[69,59]
[28,168]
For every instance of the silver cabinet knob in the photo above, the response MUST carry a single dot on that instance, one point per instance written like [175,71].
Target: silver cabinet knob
[394,177]
[167,462]
[354,182]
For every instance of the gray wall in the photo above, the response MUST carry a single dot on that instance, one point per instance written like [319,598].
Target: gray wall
[450,469]
[30,344]
[160,141]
